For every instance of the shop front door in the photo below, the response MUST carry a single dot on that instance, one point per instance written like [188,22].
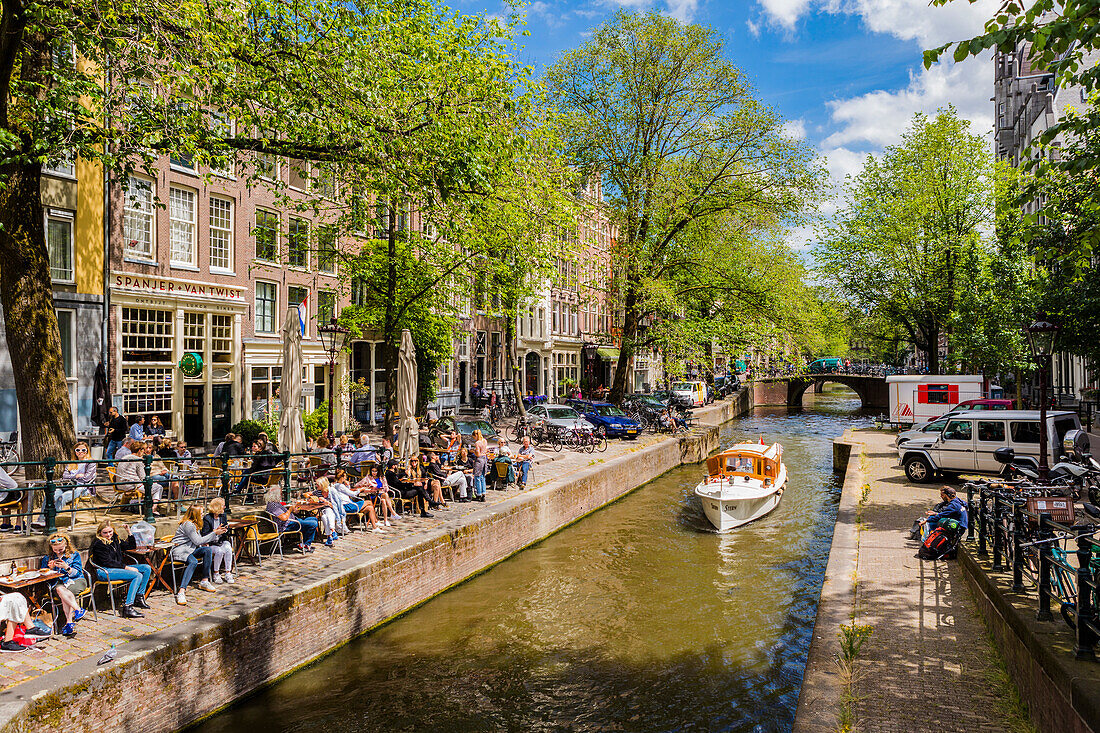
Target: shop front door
[222,405]
[462,394]
[194,413]
[531,370]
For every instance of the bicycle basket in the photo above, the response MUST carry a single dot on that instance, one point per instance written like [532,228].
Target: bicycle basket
[1059,508]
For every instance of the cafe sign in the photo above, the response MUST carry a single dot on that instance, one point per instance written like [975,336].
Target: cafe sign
[191,364]
[167,286]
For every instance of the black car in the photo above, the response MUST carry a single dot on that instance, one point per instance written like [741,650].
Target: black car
[441,430]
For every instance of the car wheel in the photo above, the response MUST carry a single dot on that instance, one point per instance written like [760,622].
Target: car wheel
[918,470]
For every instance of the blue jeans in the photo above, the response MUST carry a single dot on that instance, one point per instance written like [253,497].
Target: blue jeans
[138,575]
[524,467]
[480,467]
[62,498]
[307,526]
[204,553]
[112,446]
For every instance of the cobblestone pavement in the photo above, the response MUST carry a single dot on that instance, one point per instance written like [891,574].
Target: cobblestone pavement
[93,637]
[927,664]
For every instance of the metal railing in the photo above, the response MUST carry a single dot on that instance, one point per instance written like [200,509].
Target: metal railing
[1024,543]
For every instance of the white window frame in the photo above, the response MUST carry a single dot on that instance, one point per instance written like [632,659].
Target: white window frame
[68,218]
[226,231]
[148,211]
[219,124]
[64,168]
[174,220]
[276,229]
[274,312]
[290,305]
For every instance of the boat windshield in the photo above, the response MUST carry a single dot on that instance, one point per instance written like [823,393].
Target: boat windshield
[740,464]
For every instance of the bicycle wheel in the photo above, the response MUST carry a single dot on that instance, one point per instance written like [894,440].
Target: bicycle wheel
[601,442]
[555,443]
[588,443]
[516,432]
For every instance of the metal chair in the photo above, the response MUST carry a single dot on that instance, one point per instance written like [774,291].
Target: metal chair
[274,537]
[93,574]
[86,593]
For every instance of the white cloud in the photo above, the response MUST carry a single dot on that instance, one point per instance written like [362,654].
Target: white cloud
[906,19]
[682,10]
[754,28]
[795,129]
[784,13]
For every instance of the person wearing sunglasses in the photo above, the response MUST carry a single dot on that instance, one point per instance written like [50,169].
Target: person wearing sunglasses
[64,559]
[78,478]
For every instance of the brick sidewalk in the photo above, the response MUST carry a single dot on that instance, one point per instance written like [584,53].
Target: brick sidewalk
[928,662]
[94,638]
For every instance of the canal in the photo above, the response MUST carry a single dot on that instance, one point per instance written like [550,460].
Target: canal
[636,618]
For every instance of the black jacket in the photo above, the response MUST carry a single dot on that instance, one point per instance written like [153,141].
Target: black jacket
[112,554]
[118,428]
[208,527]
[233,449]
[265,460]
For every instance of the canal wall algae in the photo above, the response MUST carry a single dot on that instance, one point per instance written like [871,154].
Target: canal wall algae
[169,679]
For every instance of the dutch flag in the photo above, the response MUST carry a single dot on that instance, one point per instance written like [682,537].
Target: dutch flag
[303,313]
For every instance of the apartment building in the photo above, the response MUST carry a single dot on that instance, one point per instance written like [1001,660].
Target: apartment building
[72,196]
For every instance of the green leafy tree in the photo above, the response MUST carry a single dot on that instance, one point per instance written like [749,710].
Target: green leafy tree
[911,220]
[657,110]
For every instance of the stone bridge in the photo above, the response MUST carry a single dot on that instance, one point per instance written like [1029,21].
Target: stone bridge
[788,391]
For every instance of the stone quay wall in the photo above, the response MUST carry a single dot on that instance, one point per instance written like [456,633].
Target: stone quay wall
[173,678]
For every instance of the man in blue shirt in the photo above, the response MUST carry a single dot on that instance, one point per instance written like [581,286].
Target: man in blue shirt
[952,508]
[137,430]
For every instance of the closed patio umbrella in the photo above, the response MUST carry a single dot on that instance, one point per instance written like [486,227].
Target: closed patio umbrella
[408,436]
[292,436]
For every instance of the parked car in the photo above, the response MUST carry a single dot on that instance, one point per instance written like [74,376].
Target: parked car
[984,404]
[562,417]
[465,426]
[689,394]
[932,426]
[967,442]
[606,417]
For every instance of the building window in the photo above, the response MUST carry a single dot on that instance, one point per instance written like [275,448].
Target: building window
[146,334]
[358,291]
[221,233]
[59,241]
[267,167]
[445,375]
[181,214]
[267,295]
[221,338]
[63,167]
[296,295]
[65,327]
[326,250]
[222,127]
[326,306]
[147,390]
[299,175]
[138,223]
[194,332]
[267,235]
[326,183]
[298,243]
[381,220]
[265,385]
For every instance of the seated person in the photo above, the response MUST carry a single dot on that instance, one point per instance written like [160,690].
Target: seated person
[347,498]
[406,479]
[130,473]
[264,461]
[504,456]
[14,612]
[373,486]
[286,521]
[65,559]
[108,555]
[190,547]
[433,471]
[79,476]
[951,507]
[523,459]
[222,546]
[330,516]
[461,476]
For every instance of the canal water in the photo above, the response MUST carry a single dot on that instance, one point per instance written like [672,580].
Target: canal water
[636,618]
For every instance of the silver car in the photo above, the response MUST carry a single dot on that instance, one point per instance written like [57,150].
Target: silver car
[561,417]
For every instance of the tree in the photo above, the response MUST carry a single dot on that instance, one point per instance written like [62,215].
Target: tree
[656,110]
[382,86]
[910,221]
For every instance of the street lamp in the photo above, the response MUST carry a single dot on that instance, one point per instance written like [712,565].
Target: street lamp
[1041,335]
[332,340]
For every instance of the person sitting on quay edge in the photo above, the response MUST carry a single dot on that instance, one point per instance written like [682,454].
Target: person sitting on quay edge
[190,547]
[117,431]
[65,559]
[108,555]
[80,475]
[286,521]
[950,507]
[222,546]
[137,430]
[156,427]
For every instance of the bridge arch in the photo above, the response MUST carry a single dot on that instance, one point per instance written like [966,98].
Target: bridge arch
[871,390]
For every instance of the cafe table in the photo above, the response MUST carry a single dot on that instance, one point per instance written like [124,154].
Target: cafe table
[34,584]
[148,554]
[240,529]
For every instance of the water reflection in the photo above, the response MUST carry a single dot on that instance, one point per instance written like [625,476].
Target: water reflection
[636,619]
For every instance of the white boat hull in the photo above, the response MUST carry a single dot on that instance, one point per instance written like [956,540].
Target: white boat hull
[727,513]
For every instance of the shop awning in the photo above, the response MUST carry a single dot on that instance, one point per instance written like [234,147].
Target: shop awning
[607,352]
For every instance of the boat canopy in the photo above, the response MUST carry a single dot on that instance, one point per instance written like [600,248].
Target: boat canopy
[746,459]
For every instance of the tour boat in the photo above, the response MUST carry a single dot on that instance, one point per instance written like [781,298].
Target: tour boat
[743,483]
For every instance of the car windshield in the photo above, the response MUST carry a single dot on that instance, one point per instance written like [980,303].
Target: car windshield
[562,413]
[935,426]
[609,411]
[681,386]
[467,428]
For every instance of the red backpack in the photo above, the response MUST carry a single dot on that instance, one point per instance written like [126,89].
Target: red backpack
[941,543]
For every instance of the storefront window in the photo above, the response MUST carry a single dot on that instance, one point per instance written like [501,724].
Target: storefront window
[146,334]
[194,332]
[147,391]
[221,338]
[265,388]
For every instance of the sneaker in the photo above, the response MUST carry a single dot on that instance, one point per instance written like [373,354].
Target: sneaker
[80,613]
[333,537]
[181,598]
[11,646]
[230,579]
[6,527]
[38,524]
[328,542]
[207,586]
[69,630]
[387,523]
[300,548]
[218,579]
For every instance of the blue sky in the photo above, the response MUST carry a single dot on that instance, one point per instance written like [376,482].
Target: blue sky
[846,74]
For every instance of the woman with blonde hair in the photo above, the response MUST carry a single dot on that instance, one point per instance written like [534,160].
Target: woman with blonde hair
[64,559]
[79,476]
[188,546]
[222,548]
[374,487]
[328,517]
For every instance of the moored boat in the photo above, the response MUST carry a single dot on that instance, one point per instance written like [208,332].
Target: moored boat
[743,483]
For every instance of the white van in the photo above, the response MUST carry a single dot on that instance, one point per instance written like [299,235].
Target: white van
[689,394]
[967,442]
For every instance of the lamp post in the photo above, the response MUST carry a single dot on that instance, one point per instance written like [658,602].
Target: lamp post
[1041,335]
[332,340]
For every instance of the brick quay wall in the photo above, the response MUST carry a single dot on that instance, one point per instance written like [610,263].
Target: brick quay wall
[177,676]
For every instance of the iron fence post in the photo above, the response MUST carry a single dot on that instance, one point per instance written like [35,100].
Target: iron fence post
[147,499]
[286,477]
[982,526]
[339,458]
[1017,555]
[1045,555]
[970,511]
[998,550]
[49,508]
[1086,614]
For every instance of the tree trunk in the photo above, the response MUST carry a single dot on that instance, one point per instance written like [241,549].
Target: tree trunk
[34,342]
[933,352]
[513,361]
[626,344]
